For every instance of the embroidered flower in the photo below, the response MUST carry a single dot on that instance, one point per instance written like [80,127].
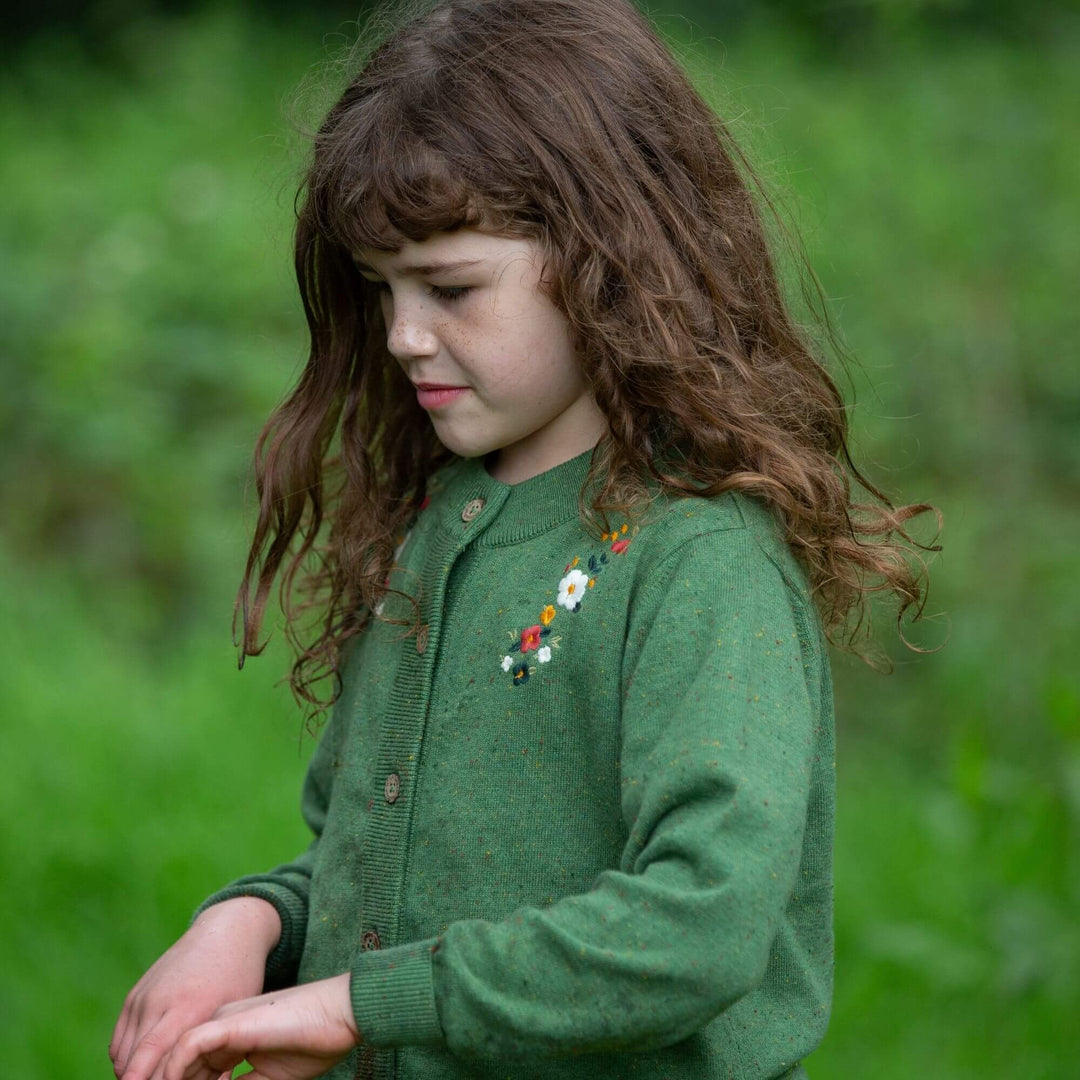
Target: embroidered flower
[620,545]
[573,588]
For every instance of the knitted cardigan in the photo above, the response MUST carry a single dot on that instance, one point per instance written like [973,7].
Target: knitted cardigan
[580,825]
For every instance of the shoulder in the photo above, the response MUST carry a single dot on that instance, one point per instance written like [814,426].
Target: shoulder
[706,557]
[731,522]
[731,544]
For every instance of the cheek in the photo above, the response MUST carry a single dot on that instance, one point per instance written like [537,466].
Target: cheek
[551,355]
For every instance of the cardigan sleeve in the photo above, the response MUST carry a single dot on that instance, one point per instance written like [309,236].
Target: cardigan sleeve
[717,742]
[288,886]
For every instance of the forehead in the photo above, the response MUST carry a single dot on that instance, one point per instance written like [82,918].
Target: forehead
[459,246]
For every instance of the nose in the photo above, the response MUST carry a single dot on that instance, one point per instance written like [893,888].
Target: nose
[408,331]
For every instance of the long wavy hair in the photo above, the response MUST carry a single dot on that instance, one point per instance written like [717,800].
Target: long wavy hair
[568,122]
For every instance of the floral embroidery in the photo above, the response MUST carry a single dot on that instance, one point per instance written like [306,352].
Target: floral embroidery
[574,586]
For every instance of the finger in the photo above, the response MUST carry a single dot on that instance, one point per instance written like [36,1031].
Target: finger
[198,1069]
[159,1068]
[201,1070]
[134,1025]
[117,1039]
[204,1052]
[149,1050]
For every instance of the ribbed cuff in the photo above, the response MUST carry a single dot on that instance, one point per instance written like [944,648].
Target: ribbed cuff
[284,959]
[393,996]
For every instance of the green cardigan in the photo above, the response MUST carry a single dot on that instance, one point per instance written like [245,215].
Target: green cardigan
[581,824]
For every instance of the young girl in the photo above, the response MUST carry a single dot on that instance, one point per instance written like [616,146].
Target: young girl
[573,497]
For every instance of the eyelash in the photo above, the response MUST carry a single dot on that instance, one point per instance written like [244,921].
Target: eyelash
[446,292]
[440,292]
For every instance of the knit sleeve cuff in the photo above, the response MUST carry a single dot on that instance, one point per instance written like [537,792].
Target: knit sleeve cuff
[284,959]
[393,996]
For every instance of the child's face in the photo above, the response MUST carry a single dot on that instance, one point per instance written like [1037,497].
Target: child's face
[486,327]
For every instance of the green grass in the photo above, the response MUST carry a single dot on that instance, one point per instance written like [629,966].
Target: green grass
[149,312]
[140,783]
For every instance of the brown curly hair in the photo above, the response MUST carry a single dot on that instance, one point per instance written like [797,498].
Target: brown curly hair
[568,122]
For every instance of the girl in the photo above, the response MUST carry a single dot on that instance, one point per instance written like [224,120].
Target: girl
[573,496]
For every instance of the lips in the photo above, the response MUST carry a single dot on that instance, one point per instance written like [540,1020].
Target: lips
[439,396]
[437,386]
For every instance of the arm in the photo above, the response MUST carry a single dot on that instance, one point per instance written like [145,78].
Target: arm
[288,887]
[245,938]
[219,959]
[717,747]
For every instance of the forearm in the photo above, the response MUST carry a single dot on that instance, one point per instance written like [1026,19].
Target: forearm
[259,919]
[641,961]
[285,893]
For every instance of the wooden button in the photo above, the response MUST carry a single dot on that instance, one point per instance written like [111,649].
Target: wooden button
[421,638]
[472,508]
[369,939]
[392,787]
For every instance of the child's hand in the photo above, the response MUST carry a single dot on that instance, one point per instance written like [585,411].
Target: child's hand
[291,1034]
[221,958]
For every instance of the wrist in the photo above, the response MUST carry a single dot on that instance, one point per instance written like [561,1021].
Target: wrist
[343,998]
[250,915]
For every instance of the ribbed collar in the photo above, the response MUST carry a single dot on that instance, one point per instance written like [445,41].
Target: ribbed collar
[510,512]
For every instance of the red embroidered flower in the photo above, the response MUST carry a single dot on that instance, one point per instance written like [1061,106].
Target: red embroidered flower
[530,638]
[620,546]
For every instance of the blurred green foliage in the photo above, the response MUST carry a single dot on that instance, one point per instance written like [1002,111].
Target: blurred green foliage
[830,23]
[149,322]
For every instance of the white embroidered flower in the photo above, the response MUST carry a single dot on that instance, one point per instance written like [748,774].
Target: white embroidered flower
[379,607]
[544,654]
[506,662]
[572,589]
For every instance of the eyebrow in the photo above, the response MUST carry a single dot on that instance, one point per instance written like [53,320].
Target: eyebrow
[422,268]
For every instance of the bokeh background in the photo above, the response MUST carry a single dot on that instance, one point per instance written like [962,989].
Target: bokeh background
[925,150]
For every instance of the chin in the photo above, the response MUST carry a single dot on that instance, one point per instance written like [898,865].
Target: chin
[464,447]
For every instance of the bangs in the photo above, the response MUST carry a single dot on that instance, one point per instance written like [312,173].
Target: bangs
[377,182]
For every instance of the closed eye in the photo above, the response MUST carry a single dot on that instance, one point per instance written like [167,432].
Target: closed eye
[439,292]
[447,292]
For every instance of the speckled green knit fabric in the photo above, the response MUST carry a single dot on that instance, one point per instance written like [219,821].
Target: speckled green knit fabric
[581,826]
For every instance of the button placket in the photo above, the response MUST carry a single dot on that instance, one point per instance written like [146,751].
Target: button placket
[384,879]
